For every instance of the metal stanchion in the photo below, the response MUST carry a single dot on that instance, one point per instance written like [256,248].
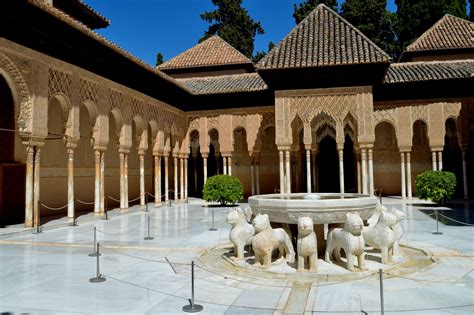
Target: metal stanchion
[382,311]
[95,253]
[146,202]
[148,237]
[192,308]
[98,278]
[437,224]
[212,228]
[106,216]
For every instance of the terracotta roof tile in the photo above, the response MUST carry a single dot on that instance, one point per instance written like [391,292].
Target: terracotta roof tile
[429,70]
[214,51]
[449,32]
[247,82]
[323,38]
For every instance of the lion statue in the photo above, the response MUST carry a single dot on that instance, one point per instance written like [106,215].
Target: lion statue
[248,214]
[241,232]
[349,238]
[397,229]
[267,239]
[307,244]
[381,235]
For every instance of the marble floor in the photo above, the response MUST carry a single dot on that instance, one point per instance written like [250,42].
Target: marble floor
[49,273]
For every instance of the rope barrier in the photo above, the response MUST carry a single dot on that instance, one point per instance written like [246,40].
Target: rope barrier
[116,200]
[464,223]
[85,203]
[167,262]
[54,209]
[133,200]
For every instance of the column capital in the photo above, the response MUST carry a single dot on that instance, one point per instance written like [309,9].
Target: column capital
[404,149]
[435,148]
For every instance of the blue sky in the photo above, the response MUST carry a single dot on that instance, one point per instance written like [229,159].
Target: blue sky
[144,27]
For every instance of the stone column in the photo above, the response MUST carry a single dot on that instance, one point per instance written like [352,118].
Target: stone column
[70,183]
[252,175]
[175,173]
[371,171]
[157,160]
[433,158]
[29,191]
[408,161]
[97,154]
[257,173]
[359,182]
[185,179]
[142,179]
[166,192]
[282,172]
[36,188]
[402,172]
[204,162]
[440,160]
[224,158]
[288,171]
[464,174]
[126,180]
[181,179]
[102,183]
[314,169]
[229,165]
[341,170]
[364,171]
[308,171]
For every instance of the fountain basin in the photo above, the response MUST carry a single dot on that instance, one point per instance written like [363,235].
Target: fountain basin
[329,208]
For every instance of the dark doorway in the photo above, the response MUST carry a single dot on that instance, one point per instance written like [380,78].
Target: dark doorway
[350,176]
[328,166]
[452,155]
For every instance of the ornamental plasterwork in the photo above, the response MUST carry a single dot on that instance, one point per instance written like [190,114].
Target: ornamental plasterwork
[59,82]
[88,91]
[138,108]
[213,122]
[451,110]
[193,123]
[419,112]
[239,120]
[116,100]
[385,114]
[268,119]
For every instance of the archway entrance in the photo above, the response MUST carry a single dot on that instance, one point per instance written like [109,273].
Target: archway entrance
[386,160]
[12,175]
[452,155]
[328,167]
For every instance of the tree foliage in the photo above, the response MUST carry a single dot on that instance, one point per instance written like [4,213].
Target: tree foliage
[159,59]
[260,54]
[372,18]
[224,189]
[471,10]
[435,185]
[233,24]
[414,17]
[303,9]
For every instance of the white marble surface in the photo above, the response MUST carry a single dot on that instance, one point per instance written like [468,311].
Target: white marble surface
[48,273]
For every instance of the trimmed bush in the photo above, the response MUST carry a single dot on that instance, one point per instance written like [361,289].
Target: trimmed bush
[224,189]
[435,185]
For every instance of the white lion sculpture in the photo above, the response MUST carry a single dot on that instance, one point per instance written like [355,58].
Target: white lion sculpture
[349,238]
[381,235]
[307,244]
[397,229]
[241,232]
[267,239]
[248,214]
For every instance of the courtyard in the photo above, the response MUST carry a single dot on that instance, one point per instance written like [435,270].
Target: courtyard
[48,273]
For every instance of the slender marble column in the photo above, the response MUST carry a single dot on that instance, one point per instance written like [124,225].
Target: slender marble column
[464,174]
[102,183]
[166,192]
[408,161]
[97,182]
[364,171]
[440,160]
[185,179]
[204,162]
[341,170]
[402,172]
[308,171]
[359,179]
[157,160]
[126,180]
[314,168]
[36,188]
[181,179]
[257,173]
[225,165]
[433,158]
[288,171]
[29,191]
[282,172]
[175,173]
[142,179]
[70,183]
[229,165]
[371,172]
[252,176]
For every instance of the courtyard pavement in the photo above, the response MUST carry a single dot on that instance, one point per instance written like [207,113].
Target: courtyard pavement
[48,273]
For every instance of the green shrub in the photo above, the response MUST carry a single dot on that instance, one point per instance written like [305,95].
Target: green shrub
[435,185]
[224,189]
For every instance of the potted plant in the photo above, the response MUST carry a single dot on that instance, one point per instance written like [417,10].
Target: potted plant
[224,189]
[435,185]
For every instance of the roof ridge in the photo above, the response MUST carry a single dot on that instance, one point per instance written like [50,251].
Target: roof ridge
[427,62]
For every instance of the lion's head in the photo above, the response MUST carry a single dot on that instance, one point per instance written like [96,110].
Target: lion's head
[235,216]
[261,222]
[305,225]
[354,224]
[399,214]
[388,219]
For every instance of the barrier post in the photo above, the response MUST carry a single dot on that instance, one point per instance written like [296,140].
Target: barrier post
[192,308]
[148,237]
[146,202]
[98,278]
[382,311]
[94,253]
[437,225]
[212,228]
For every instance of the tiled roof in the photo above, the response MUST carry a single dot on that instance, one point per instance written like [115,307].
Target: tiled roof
[94,12]
[323,38]
[449,32]
[429,70]
[233,83]
[214,51]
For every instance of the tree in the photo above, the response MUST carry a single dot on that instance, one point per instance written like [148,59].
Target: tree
[435,185]
[260,54]
[303,9]
[233,24]
[224,189]
[159,59]
[471,10]
[372,18]
[414,17]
